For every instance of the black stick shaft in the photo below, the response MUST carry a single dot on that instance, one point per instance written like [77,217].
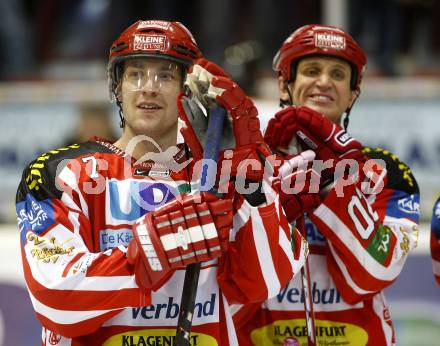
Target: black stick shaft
[212,145]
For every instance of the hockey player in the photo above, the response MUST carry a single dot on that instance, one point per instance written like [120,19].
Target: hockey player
[359,237]
[435,240]
[108,228]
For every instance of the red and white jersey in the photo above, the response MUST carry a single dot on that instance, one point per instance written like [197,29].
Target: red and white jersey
[435,240]
[75,208]
[358,246]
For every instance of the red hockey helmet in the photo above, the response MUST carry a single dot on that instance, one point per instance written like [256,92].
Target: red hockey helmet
[152,38]
[318,40]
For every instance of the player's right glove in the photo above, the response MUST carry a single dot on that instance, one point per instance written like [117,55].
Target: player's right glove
[314,131]
[191,228]
[210,86]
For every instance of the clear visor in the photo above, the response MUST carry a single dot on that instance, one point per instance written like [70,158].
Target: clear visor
[150,75]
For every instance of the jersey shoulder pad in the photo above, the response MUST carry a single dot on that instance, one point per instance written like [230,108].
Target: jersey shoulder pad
[399,174]
[39,176]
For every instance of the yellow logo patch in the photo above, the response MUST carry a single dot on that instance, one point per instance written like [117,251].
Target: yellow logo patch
[290,332]
[156,337]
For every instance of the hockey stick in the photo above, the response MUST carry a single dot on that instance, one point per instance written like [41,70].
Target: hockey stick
[189,292]
[308,300]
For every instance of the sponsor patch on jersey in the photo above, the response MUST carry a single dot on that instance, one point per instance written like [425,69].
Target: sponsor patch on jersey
[154,24]
[111,238]
[157,337]
[324,294]
[150,42]
[170,309]
[155,173]
[320,296]
[129,199]
[285,332]
[329,41]
[409,205]
[33,215]
[403,205]
[164,309]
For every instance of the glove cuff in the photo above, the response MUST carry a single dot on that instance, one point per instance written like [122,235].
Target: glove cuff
[150,260]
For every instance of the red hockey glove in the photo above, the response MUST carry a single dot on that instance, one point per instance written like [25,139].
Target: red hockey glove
[210,86]
[298,185]
[303,128]
[312,130]
[191,228]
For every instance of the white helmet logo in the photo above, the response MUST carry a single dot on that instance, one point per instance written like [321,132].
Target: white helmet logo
[330,41]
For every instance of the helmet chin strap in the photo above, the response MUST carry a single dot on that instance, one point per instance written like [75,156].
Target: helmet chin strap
[348,110]
[346,118]
[122,121]
[121,115]
[284,103]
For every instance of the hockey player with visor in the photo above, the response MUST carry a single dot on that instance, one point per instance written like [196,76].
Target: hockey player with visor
[107,229]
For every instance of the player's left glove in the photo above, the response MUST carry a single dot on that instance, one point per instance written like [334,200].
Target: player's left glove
[210,86]
[298,185]
[304,128]
[190,228]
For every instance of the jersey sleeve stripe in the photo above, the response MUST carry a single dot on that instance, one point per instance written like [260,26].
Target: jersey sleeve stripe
[74,220]
[68,177]
[65,316]
[240,218]
[68,201]
[79,328]
[262,246]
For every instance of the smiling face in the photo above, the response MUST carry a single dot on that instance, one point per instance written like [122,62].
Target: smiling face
[322,84]
[148,92]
